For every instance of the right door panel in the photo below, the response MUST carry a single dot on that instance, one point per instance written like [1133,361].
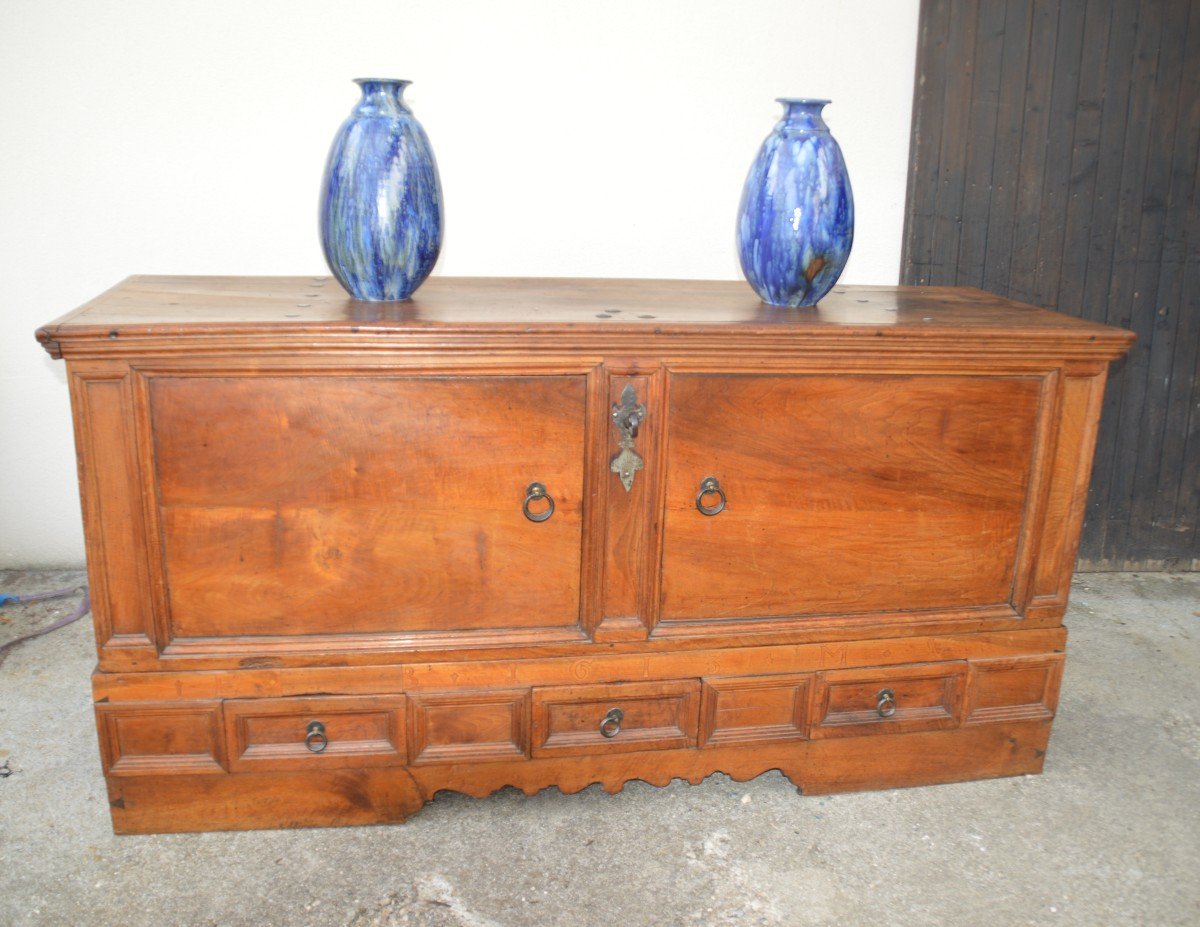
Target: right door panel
[845,494]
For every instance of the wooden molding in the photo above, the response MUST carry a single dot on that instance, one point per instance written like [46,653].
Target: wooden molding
[468,726]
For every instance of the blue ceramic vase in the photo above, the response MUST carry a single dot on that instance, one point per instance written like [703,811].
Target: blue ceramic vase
[796,219]
[381,200]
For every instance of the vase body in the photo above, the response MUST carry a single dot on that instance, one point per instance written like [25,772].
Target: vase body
[796,219]
[381,199]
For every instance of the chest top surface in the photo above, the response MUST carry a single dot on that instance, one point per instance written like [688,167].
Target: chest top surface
[148,313]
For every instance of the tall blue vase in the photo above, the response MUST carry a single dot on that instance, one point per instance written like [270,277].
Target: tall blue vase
[796,219]
[381,199]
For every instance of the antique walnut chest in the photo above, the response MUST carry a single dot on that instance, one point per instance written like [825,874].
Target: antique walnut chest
[557,532]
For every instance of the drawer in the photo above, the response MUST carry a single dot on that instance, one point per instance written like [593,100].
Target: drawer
[753,709]
[567,720]
[156,738]
[468,726]
[313,732]
[899,699]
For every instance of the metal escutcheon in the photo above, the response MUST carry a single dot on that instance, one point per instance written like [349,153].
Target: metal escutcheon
[611,725]
[534,492]
[708,487]
[628,418]
[315,739]
[885,703]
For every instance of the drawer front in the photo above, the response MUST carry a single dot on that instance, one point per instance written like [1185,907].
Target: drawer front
[844,494]
[468,726]
[1014,689]
[315,732]
[355,504]
[157,738]
[902,699]
[573,720]
[752,709]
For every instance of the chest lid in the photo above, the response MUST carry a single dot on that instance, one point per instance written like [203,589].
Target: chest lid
[149,315]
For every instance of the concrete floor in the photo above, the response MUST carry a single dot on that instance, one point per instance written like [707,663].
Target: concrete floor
[1110,834]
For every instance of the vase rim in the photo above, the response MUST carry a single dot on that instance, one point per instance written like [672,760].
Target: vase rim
[381,80]
[806,101]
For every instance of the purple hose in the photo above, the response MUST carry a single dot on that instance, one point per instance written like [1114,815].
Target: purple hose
[84,606]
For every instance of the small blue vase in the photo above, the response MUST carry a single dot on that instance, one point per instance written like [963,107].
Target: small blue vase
[381,199]
[796,219]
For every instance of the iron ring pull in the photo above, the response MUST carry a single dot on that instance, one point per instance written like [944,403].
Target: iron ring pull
[709,486]
[885,703]
[610,726]
[534,492]
[315,738]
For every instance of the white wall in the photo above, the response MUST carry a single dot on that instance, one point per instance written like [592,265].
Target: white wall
[574,139]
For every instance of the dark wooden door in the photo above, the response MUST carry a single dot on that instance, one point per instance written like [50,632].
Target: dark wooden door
[1054,161]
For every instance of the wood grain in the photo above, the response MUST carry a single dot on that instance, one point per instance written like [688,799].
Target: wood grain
[1013,689]
[926,697]
[112,511]
[269,734]
[599,665]
[629,522]
[862,493]
[266,315]
[656,716]
[156,738]
[1071,470]
[749,709]
[322,505]
[468,726]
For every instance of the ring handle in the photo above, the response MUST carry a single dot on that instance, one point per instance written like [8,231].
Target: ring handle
[885,703]
[611,725]
[315,738]
[710,486]
[534,492]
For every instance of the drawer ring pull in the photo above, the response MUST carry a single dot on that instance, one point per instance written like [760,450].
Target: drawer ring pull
[611,725]
[710,486]
[316,739]
[534,492]
[885,703]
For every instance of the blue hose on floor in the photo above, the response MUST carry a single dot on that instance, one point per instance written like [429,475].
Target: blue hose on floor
[84,606]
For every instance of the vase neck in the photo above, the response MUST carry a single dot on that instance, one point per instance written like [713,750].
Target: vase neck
[381,96]
[803,114]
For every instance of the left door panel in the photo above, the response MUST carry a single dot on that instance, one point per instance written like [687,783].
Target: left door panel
[317,505]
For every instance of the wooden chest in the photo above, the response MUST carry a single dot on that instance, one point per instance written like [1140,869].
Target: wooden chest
[558,532]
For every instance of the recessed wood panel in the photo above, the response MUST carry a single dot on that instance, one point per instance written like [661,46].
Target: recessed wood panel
[925,697]
[160,738]
[1014,689]
[754,708]
[270,733]
[112,509]
[654,716]
[845,494]
[452,727]
[1067,498]
[322,505]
